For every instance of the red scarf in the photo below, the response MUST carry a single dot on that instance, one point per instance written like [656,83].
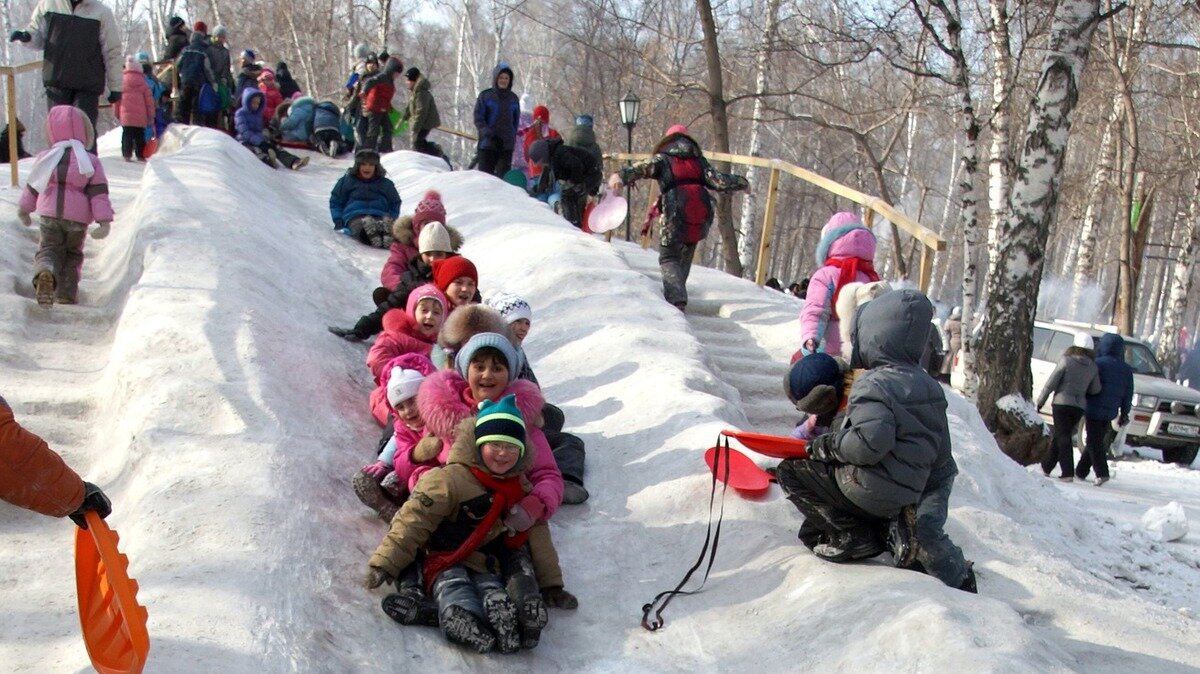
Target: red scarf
[506,492]
[850,268]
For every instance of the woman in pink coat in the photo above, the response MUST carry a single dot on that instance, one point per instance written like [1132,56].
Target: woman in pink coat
[67,188]
[135,110]
[448,397]
[846,254]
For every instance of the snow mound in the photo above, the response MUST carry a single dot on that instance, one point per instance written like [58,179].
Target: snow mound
[197,384]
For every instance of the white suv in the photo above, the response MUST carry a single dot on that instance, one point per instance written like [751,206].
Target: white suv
[1165,415]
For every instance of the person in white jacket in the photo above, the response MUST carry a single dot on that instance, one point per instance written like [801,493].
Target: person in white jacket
[81,52]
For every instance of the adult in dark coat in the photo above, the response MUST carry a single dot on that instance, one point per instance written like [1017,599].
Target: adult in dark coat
[421,113]
[582,135]
[288,86]
[81,53]
[195,69]
[1112,402]
[497,116]
[177,40]
[878,460]
[1075,378]
[576,170]
[247,78]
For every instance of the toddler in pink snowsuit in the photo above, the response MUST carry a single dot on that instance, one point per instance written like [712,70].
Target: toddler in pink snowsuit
[67,188]
[846,253]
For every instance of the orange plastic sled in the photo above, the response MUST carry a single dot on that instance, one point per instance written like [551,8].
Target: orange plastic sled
[114,624]
[744,474]
[771,445]
[151,148]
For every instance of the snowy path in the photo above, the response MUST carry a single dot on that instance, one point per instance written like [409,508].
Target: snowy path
[196,382]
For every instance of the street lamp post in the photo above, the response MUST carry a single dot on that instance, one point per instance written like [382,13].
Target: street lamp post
[629,106]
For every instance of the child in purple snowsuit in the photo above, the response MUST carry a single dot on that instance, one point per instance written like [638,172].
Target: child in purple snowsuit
[68,190]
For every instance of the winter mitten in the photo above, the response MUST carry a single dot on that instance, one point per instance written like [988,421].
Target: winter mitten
[558,597]
[822,399]
[101,231]
[518,519]
[427,449]
[93,500]
[114,97]
[24,218]
[19,36]
[377,470]
[1123,420]
[820,448]
[376,577]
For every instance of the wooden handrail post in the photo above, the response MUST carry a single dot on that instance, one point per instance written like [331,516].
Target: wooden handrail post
[10,94]
[926,270]
[768,229]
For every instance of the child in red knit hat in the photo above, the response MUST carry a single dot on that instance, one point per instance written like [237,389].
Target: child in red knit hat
[457,278]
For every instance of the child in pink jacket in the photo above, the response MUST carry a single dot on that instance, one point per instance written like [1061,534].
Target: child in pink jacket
[846,253]
[68,190]
[135,110]
[413,330]
[382,486]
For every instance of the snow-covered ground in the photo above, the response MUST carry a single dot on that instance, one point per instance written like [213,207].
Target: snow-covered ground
[196,383]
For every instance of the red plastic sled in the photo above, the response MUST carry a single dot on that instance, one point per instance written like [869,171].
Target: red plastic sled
[587,217]
[744,474]
[114,624]
[771,445]
[150,148]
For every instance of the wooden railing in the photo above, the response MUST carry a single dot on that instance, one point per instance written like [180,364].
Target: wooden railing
[10,95]
[931,243]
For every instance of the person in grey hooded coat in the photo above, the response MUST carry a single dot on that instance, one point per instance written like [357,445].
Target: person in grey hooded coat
[1075,378]
[878,460]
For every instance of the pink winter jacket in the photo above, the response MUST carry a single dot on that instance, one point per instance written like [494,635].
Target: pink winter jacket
[69,194]
[445,400]
[816,318]
[136,107]
[393,270]
[399,337]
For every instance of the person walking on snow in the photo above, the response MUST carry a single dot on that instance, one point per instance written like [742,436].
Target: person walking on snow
[1075,378]
[81,53]
[68,190]
[684,177]
[1112,402]
[421,114]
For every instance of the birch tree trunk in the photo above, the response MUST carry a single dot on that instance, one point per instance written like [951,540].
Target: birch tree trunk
[1086,257]
[1007,328]
[717,108]
[385,23]
[999,182]
[1181,285]
[747,229]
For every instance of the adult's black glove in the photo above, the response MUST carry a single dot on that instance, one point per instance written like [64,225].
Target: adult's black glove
[93,500]
[114,96]
[19,36]
[1123,420]
[820,448]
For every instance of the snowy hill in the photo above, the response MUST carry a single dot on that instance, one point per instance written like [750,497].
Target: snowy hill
[196,383]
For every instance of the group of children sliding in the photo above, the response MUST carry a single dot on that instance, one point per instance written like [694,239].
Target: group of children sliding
[473,461]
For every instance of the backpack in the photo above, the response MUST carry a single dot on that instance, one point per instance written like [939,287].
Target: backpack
[692,205]
[209,101]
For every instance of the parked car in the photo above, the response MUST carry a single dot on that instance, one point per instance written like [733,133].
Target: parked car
[1165,415]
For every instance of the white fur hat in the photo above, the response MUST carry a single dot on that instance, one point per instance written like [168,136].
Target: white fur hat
[1084,341]
[434,238]
[403,385]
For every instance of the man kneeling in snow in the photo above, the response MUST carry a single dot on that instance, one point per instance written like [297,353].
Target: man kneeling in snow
[872,474]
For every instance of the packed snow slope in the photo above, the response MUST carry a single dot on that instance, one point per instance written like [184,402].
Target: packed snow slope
[197,384]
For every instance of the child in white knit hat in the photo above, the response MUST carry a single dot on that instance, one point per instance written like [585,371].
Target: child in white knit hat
[382,485]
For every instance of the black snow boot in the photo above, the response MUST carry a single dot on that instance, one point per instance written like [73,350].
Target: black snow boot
[901,537]
[533,617]
[968,584]
[463,627]
[348,334]
[848,546]
[410,606]
[502,614]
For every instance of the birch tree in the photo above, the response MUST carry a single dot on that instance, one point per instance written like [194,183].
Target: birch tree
[1007,327]
[747,231]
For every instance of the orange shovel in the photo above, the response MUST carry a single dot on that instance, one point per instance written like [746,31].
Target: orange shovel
[114,624]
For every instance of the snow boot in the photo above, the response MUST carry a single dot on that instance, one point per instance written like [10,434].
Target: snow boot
[848,546]
[43,288]
[968,584]
[373,496]
[410,606]
[901,537]
[463,627]
[502,614]
[348,334]
[532,617]
[573,493]
[300,163]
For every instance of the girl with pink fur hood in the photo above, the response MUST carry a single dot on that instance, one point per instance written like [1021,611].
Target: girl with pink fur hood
[413,330]
[67,188]
[846,253]
[485,369]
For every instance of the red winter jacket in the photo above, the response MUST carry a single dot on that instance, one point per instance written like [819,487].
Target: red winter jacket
[31,475]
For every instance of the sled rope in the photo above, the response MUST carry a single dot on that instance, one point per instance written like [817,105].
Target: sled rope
[711,535]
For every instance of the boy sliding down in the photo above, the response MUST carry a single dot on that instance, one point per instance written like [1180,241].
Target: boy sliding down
[455,517]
